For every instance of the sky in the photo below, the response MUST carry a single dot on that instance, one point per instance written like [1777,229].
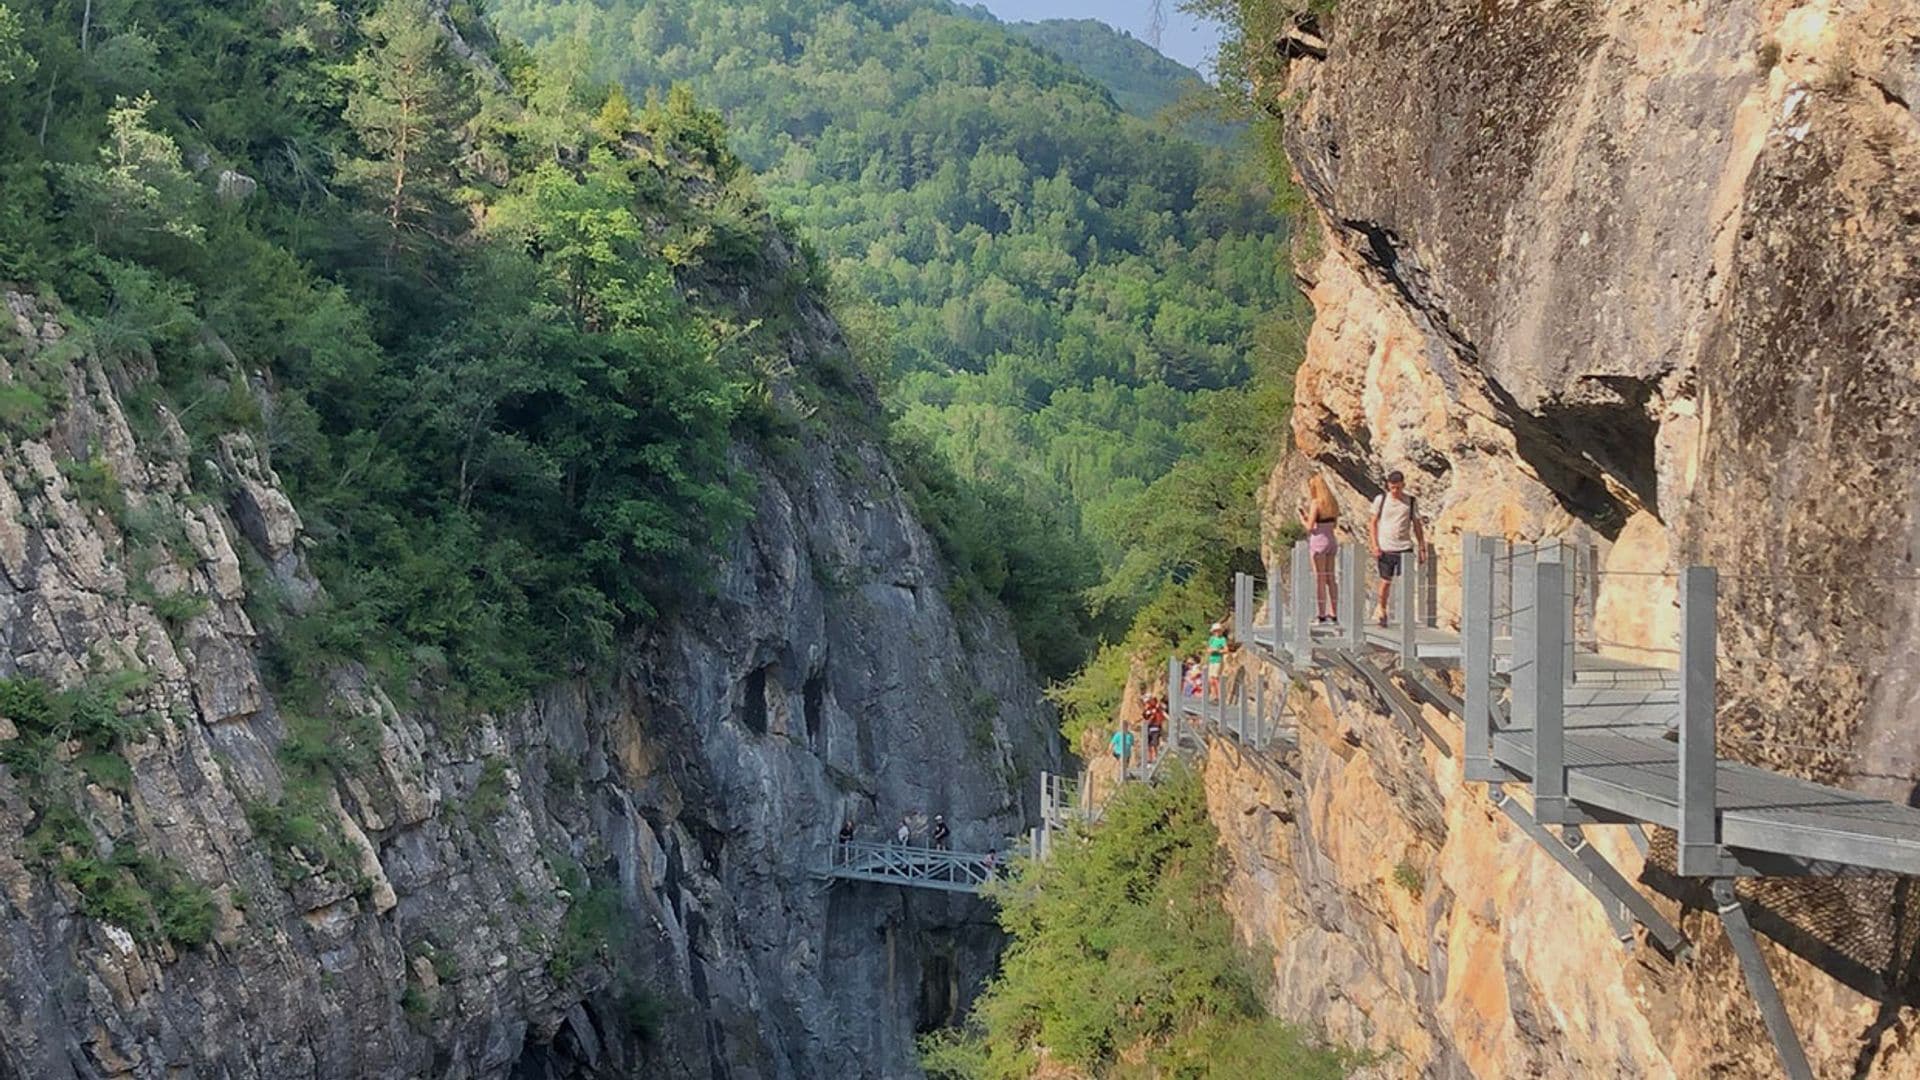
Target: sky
[1189,40]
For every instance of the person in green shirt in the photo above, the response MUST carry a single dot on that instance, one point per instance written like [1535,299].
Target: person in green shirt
[1216,657]
[1122,745]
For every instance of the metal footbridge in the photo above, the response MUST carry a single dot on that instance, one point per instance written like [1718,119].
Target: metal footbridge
[919,867]
[1593,736]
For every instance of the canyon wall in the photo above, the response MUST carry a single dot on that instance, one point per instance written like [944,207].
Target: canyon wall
[1643,272]
[616,880]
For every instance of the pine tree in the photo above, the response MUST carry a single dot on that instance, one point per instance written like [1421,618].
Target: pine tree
[410,102]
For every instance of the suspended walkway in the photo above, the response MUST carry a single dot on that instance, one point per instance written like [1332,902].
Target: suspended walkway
[918,867]
[1621,736]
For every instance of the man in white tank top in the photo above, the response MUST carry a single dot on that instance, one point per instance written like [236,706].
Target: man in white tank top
[1396,532]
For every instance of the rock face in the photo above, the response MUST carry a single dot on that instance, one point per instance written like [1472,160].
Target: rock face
[614,881]
[1645,271]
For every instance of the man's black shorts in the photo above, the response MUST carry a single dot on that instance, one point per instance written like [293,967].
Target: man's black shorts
[1390,564]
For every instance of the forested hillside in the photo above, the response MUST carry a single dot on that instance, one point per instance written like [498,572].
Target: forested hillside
[1142,81]
[1050,287]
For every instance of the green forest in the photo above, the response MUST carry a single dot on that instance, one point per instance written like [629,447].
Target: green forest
[1050,289]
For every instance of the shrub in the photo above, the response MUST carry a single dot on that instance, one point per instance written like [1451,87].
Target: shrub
[489,798]
[1408,878]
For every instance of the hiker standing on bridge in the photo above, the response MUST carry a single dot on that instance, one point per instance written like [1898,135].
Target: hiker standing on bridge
[1154,712]
[1122,746]
[1396,532]
[1319,513]
[942,836]
[1194,680]
[846,832]
[904,833]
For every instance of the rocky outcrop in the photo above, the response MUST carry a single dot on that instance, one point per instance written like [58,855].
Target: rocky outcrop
[1645,271]
[615,880]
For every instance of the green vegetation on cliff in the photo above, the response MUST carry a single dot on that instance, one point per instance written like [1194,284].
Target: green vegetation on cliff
[1123,961]
[463,309]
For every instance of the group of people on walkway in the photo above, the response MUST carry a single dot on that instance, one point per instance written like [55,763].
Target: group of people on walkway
[1394,532]
[939,835]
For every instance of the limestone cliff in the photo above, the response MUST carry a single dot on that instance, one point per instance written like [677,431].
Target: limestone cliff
[613,881]
[1646,269]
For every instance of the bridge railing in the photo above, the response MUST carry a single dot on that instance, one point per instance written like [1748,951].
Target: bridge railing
[914,864]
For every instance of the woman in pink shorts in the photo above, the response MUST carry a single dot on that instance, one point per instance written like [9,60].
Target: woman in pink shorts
[1319,513]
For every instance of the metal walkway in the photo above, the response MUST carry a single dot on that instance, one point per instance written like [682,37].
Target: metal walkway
[1596,740]
[1599,739]
[920,867]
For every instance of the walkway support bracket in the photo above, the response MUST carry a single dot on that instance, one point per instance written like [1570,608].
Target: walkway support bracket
[1560,853]
[1786,1043]
[1659,926]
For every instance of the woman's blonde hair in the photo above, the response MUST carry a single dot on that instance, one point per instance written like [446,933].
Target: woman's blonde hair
[1320,496]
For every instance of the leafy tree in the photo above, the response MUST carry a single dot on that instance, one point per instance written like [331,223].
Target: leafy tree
[15,61]
[138,190]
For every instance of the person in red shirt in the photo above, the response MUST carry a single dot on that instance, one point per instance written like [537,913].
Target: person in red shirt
[1154,712]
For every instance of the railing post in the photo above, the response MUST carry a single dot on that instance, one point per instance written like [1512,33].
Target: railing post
[1568,555]
[1409,608]
[1476,656]
[1176,696]
[1503,586]
[1276,604]
[1521,613]
[1699,832]
[1357,607]
[1593,597]
[1549,688]
[1303,607]
[1259,711]
[1242,617]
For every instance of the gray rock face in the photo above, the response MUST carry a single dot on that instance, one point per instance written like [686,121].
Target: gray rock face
[614,881]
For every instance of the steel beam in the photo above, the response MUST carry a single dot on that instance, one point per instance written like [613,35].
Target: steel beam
[1668,935]
[1520,671]
[1549,688]
[1786,1043]
[1560,853]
